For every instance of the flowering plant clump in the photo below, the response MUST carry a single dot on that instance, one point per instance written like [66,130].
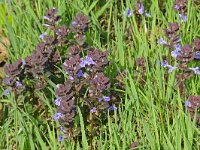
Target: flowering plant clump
[83,71]
[182,54]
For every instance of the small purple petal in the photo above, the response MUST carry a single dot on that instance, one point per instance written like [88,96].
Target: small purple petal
[147,14]
[196,70]
[100,99]
[18,84]
[23,62]
[57,101]
[188,103]
[46,25]
[94,109]
[62,129]
[129,12]
[113,107]
[183,18]
[71,78]
[171,68]
[45,17]
[141,9]
[176,7]
[161,41]
[175,53]
[80,73]
[60,138]
[164,63]
[197,55]
[57,116]
[106,98]
[87,61]
[6,92]
[42,36]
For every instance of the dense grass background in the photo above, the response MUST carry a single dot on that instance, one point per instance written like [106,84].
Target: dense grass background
[152,115]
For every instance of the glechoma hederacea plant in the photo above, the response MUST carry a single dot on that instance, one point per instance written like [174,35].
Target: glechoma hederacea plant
[84,83]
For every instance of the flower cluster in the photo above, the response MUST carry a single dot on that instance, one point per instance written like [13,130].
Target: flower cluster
[34,67]
[139,10]
[181,7]
[86,84]
[191,105]
[183,55]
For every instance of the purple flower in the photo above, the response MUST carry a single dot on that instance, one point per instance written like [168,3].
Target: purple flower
[188,103]
[171,68]
[100,99]
[178,46]
[106,98]
[196,55]
[94,109]
[23,62]
[175,53]
[113,107]
[87,61]
[71,78]
[196,70]
[57,116]
[147,14]
[164,64]
[42,36]
[161,41]
[176,7]
[46,18]
[57,101]
[6,92]
[62,129]
[46,25]
[129,12]
[183,18]
[141,8]
[18,84]
[80,73]
[60,138]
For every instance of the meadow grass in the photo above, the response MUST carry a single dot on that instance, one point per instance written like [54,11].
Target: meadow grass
[149,113]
